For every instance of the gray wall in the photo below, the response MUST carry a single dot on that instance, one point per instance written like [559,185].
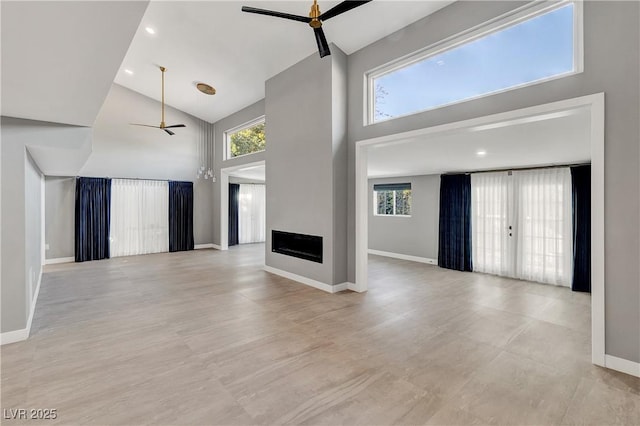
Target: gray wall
[33,180]
[124,151]
[305,156]
[340,151]
[243,116]
[59,216]
[21,214]
[612,46]
[416,235]
[14,290]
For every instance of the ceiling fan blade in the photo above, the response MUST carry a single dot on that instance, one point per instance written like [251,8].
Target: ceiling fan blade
[298,18]
[340,8]
[169,131]
[175,125]
[321,40]
[144,125]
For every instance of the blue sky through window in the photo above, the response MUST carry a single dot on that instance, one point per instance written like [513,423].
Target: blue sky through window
[538,48]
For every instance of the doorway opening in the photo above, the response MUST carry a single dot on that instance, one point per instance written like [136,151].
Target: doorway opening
[242,207]
[590,108]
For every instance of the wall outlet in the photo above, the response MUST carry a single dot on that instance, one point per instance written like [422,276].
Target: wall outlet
[46,246]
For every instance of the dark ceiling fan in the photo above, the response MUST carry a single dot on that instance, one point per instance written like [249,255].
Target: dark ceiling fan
[314,19]
[162,125]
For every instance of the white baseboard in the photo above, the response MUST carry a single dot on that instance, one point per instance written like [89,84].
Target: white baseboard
[14,336]
[207,246]
[622,365]
[354,287]
[203,246]
[59,260]
[404,257]
[340,287]
[23,334]
[308,281]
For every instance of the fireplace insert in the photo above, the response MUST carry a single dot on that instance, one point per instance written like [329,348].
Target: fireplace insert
[308,247]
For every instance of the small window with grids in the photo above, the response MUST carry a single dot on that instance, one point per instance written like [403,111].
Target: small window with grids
[392,199]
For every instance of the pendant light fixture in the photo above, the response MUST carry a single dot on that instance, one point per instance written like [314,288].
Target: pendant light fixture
[205,152]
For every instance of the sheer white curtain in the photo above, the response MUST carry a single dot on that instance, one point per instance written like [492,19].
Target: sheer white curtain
[491,196]
[251,213]
[521,224]
[139,217]
[544,225]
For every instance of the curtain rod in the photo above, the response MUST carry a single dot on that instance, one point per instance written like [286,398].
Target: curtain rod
[155,180]
[516,169]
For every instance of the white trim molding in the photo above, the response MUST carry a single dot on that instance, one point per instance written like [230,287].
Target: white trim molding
[404,256]
[243,126]
[340,287]
[596,106]
[353,287]
[512,18]
[59,260]
[622,365]
[224,199]
[34,300]
[203,246]
[308,281]
[14,336]
[23,334]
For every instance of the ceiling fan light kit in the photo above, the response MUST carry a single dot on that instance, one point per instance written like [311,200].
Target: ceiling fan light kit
[315,19]
[162,125]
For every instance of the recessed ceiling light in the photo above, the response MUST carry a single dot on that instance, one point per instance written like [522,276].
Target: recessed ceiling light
[150,30]
[129,72]
[481,153]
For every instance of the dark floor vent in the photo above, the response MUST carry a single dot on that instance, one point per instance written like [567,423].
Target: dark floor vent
[308,247]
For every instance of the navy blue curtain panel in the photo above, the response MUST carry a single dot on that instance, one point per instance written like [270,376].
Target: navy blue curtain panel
[234,190]
[93,210]
[180,216]
[581,203]
[454,245]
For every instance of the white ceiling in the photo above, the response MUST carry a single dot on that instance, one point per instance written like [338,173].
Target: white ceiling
[253,173]
[214,42]
[536,141]
[59,59]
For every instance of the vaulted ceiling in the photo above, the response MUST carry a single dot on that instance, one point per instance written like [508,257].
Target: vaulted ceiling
[216,43]
[59,59]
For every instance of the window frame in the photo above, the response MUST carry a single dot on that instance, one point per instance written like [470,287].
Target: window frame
[239,128]
[375,204]
[509,19]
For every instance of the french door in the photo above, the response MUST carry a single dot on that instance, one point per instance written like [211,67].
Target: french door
[522,224]
[251,214]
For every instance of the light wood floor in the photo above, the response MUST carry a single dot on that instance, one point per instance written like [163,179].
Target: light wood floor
[207,337]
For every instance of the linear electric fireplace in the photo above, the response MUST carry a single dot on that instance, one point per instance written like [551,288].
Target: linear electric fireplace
[303,246]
